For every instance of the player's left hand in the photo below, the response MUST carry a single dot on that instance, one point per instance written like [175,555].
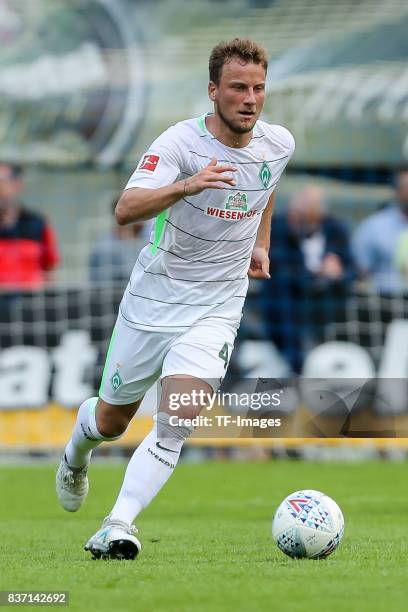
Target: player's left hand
[259,266]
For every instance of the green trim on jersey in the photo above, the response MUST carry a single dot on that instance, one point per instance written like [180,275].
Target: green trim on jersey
[105,369]
[201,124]
[159,230]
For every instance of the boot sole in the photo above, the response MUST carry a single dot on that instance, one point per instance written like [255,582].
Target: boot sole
[122,550]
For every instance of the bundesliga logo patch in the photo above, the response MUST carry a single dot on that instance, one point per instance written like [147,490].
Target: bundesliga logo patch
[149,163]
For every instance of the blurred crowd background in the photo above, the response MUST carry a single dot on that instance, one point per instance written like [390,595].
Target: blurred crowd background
[86,86]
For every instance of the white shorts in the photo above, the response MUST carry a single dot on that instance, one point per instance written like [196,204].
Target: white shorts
[137,358]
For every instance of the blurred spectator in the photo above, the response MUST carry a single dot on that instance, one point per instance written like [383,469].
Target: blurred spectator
[380,242]
[311,270]
[28,249]
[112,258]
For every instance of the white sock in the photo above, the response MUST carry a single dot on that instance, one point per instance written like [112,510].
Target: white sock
[85,436]
[149,468]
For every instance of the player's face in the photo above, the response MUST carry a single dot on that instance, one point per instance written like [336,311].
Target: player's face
[240,94]
[8,185]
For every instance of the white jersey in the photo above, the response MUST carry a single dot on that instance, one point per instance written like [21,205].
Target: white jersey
[196,263]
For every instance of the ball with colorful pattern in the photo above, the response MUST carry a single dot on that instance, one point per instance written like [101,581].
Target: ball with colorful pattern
[308,524]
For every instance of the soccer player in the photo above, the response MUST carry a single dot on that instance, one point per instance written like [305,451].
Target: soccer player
[210,183]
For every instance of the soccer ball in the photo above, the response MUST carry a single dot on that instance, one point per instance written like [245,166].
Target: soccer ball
[308,524]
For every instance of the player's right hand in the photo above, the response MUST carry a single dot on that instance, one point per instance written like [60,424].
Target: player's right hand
[210,177]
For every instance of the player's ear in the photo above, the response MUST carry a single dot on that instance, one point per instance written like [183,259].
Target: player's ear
[212,91]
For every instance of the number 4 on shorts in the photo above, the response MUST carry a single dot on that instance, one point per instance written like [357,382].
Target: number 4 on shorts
[224,355]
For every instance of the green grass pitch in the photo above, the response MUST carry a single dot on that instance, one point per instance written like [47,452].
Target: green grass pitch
[206,540]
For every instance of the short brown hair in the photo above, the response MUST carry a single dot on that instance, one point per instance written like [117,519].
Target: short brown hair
[243,48]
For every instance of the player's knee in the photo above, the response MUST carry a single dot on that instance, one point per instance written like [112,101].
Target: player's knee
[111,422]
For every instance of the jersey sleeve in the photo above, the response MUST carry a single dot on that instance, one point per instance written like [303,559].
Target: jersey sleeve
[285,139]
[161,164]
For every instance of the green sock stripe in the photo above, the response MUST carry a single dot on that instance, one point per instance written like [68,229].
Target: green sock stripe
[105,369]
[159,230]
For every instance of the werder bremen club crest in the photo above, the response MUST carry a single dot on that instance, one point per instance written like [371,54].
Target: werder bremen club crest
[237,201]
[265,175]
